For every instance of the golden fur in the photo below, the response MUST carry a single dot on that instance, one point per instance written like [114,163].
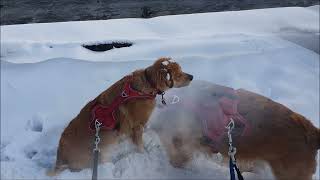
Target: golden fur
[75,149]
[287,141]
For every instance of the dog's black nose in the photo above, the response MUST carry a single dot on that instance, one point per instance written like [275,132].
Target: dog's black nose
[190,77]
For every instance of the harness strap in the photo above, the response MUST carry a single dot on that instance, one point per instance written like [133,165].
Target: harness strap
[105,114]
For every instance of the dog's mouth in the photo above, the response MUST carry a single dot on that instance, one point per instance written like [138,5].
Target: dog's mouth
[184,84]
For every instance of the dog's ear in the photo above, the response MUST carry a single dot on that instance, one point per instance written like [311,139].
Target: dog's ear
[156,75]
[163,72]
[160,74]
[166,77]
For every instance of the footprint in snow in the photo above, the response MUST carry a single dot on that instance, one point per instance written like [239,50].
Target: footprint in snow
[30,153]
[36,123]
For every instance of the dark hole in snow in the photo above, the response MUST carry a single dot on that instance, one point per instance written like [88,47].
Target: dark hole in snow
[30,154]
[106,46]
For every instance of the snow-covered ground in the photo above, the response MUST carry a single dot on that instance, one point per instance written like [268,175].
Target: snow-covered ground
[47,77]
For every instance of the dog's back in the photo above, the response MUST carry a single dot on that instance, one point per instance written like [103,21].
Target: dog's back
[287,141]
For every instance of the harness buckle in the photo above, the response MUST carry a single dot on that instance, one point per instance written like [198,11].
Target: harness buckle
[230,126]
[124,94]
[163,100]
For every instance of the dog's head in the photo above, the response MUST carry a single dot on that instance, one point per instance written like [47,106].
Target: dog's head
[166,73]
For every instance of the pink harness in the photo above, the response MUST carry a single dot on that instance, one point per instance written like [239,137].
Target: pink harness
[215,126]
[105,114]
[216,116]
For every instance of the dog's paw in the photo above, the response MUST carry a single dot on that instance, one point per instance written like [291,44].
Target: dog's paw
[51,173]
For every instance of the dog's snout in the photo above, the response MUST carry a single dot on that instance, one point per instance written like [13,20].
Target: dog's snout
[190,77]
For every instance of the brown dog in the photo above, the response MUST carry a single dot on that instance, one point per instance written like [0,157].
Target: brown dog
[76,144]
[285,140]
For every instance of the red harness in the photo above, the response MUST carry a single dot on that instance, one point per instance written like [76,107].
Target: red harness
[105,114]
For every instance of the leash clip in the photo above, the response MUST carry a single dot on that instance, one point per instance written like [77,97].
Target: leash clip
[124,94]
[163,100]
[230,126]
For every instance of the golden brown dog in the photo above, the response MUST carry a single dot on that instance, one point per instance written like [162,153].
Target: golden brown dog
[285,140]
[75,149]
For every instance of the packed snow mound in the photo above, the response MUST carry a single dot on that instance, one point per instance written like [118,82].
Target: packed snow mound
[235,49]
[152,37]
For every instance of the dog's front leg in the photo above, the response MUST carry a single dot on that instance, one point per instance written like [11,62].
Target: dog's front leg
[137,138]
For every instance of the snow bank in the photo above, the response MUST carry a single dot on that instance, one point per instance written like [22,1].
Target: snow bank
[38,42]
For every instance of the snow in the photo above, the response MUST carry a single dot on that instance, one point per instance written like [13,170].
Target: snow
[153,37]
[165,63]
[47,77]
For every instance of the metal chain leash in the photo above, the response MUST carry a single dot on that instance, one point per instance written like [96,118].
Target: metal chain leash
[97,137]
[163,100]
[96,150]
[232,150]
